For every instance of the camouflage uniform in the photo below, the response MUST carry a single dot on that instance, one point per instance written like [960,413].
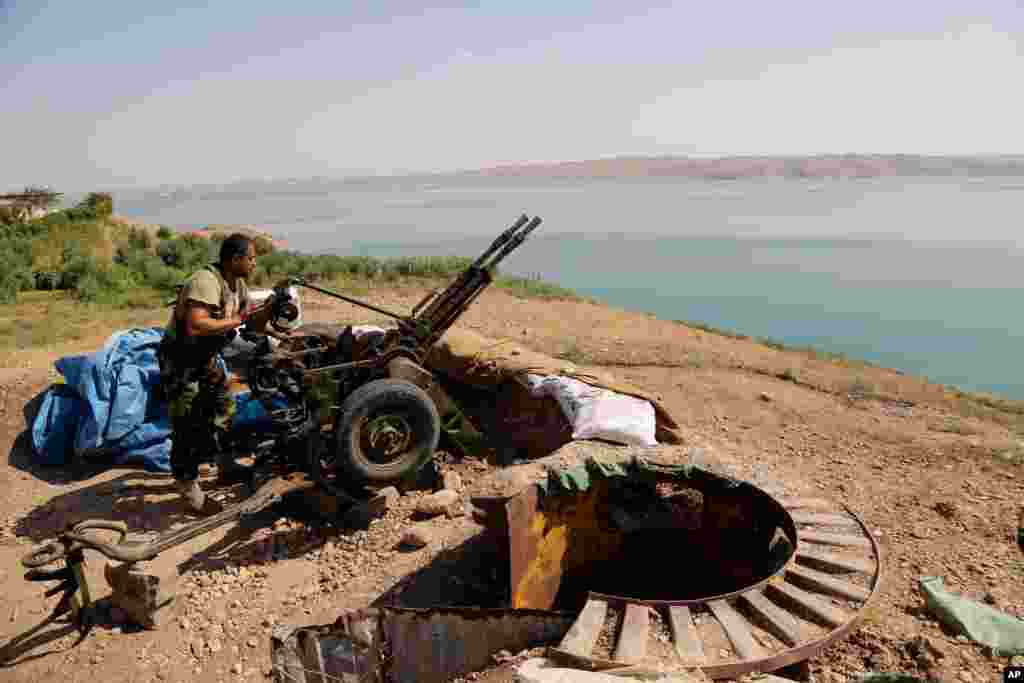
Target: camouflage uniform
[193,380]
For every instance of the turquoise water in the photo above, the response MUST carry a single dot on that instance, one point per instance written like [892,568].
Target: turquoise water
[874,269]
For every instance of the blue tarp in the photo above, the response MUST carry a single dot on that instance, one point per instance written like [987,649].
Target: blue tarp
[108,405]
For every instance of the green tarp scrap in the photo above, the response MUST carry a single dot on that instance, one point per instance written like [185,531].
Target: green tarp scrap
[981,623]
[578,478]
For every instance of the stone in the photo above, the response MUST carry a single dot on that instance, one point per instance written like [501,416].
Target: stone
[437,503]
[142,595]
[452,481]
[418,536]
[765,396]
[236,668]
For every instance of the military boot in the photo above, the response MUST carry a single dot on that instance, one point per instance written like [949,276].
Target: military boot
[230,471]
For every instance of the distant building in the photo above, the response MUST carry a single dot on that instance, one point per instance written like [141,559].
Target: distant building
[31,212]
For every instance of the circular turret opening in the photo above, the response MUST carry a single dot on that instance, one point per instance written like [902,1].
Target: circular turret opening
[649,535]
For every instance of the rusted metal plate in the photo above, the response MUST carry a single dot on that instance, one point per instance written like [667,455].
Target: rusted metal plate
[584,632]
[348,651]
[823,583]
[684,634]
[632,643]
[524,541]
[736,628]
[436,645]
[780,622]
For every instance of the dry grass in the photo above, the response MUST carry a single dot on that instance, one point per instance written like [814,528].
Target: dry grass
[42,323]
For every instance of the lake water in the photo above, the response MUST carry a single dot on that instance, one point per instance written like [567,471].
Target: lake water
[918,274]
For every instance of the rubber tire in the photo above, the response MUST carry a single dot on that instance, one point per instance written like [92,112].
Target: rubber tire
[376,395]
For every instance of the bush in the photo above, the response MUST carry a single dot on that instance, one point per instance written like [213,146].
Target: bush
[263,246]
[164,233]
[15,276]
[140,239]
[100,204]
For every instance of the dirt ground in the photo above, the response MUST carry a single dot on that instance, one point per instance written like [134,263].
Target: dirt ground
[893,448]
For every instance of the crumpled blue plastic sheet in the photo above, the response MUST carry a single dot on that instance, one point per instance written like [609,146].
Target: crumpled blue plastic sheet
[110,405]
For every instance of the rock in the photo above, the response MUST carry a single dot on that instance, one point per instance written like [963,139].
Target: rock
[765,396]
[989,599]
[452,481]
[143,595]
[213,645]
[458,509]
[437,503]
[418,536]
[236,668]
[946,509]
[252,642]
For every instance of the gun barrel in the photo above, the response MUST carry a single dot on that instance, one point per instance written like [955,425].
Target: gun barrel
[501,240]
[514,243]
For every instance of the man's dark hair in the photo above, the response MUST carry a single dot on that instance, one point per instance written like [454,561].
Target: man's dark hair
[235,245]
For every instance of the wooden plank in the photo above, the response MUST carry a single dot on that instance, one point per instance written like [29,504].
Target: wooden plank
[823,583]
[777,620]
[684,634]
[584,632]
[824,519]
[810,604]
[831,561]
[737,628]
[632,642]
[807,503]
[833,539]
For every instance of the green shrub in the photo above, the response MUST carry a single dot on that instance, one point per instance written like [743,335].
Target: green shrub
[100,204]
[164,233]
[263,246]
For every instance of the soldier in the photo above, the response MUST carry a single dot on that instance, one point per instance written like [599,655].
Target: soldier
[212,304]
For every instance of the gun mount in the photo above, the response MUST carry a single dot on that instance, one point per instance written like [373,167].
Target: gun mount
[382,408]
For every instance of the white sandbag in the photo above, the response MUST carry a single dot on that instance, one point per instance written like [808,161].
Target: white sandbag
[360,331]
[596,413]
[616,417]
[570,393]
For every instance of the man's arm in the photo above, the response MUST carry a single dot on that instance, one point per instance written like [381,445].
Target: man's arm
[199,322]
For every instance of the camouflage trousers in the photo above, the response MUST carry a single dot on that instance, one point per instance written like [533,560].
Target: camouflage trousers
[201,410]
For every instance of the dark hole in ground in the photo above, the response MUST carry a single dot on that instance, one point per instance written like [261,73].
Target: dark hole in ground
[682,543]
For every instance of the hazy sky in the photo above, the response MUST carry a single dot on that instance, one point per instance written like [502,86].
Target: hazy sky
[141,93]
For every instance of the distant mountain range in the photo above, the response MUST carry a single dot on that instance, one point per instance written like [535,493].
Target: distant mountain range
[824,166]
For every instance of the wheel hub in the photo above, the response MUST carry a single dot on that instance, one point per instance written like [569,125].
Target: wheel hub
[386,436]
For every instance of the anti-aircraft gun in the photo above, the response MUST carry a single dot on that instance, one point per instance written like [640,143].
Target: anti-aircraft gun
[342,416]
